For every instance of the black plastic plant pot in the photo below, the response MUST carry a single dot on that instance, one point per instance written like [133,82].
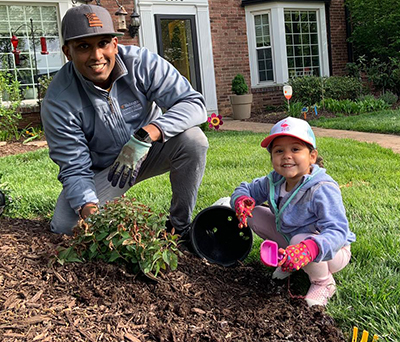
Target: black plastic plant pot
[2,202]
[216,236]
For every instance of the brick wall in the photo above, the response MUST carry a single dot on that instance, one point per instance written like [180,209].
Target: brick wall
[112,7]
[30,117]
[338,37]
[230,51]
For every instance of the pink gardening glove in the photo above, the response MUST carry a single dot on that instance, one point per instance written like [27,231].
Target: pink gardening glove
[244,205]
[297,256]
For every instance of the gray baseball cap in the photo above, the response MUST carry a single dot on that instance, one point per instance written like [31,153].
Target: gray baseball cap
[86,21]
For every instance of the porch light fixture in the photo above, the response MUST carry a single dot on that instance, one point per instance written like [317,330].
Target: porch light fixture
[134,24]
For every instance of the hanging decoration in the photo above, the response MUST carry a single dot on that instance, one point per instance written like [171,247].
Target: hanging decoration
[14,42]
[43,44]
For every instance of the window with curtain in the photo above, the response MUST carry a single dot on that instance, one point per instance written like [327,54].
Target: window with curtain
[29,23]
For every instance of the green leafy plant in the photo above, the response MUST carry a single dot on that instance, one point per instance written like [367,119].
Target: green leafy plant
[363,105]
[389,98]
[239,85]
[10,100]
[33,133]
[127,231]
[44,83]
[294,109]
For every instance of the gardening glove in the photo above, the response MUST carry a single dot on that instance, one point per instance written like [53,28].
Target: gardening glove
[297,256]
[244,205]
[126,166]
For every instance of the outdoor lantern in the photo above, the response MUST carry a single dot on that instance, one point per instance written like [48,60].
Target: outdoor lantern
[121,14]
[14,42]
[44,46]
[134,24]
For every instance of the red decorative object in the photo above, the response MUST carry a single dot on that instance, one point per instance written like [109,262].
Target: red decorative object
[44,46]
[14,42]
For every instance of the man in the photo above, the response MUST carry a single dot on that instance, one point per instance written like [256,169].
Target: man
[105,128]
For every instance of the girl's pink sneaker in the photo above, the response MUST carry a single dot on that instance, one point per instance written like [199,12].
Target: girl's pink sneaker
[320,291]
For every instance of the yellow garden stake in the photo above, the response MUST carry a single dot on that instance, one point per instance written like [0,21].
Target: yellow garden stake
[364,337]
[355,334]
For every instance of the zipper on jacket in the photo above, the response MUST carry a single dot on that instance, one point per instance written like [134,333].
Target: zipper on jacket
[117,120]
[110,103]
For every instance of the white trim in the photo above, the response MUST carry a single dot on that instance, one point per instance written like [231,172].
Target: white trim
[198,8]
[277,26]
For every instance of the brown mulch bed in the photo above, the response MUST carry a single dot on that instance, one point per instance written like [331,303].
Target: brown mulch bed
[16,147]
[44,301]
[101,302]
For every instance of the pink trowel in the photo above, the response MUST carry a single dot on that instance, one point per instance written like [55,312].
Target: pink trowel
[269,253]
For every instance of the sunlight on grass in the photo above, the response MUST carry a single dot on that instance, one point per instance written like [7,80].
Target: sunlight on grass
[368,293]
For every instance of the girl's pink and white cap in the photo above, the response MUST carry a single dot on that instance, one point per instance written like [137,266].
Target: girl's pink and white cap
[291,127]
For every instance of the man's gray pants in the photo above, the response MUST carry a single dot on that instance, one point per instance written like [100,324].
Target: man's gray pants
[184,156]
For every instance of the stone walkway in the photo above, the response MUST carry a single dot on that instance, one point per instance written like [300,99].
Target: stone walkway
[384,140]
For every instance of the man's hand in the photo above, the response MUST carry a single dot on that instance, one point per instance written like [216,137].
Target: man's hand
[244,205]
[126,166]
[297,256]
[88,209]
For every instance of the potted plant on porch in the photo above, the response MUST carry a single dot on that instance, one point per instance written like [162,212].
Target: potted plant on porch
[241,101]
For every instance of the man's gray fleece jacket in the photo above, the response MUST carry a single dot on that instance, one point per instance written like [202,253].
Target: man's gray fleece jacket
[86,126]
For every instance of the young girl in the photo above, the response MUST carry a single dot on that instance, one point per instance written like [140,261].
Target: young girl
[305,213]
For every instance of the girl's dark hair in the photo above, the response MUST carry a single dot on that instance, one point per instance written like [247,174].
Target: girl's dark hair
[320,161]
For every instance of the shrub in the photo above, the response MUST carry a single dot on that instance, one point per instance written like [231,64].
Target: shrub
[312,89]
[44,83]
[342,87]
[127,231]
[389,98]
[239,86]
[307,90]
[9,114]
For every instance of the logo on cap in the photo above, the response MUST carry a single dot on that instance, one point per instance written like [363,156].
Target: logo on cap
[93,20]
[285,126]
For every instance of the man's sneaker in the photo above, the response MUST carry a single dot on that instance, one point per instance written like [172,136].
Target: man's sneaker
[279,274]
[320,291]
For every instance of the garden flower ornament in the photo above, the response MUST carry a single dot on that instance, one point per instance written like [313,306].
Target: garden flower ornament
[215,121]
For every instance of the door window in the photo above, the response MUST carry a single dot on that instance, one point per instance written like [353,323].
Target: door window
[177,43]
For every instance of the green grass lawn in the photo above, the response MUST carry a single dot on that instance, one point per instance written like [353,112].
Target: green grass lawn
[386,122]
[368,293]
